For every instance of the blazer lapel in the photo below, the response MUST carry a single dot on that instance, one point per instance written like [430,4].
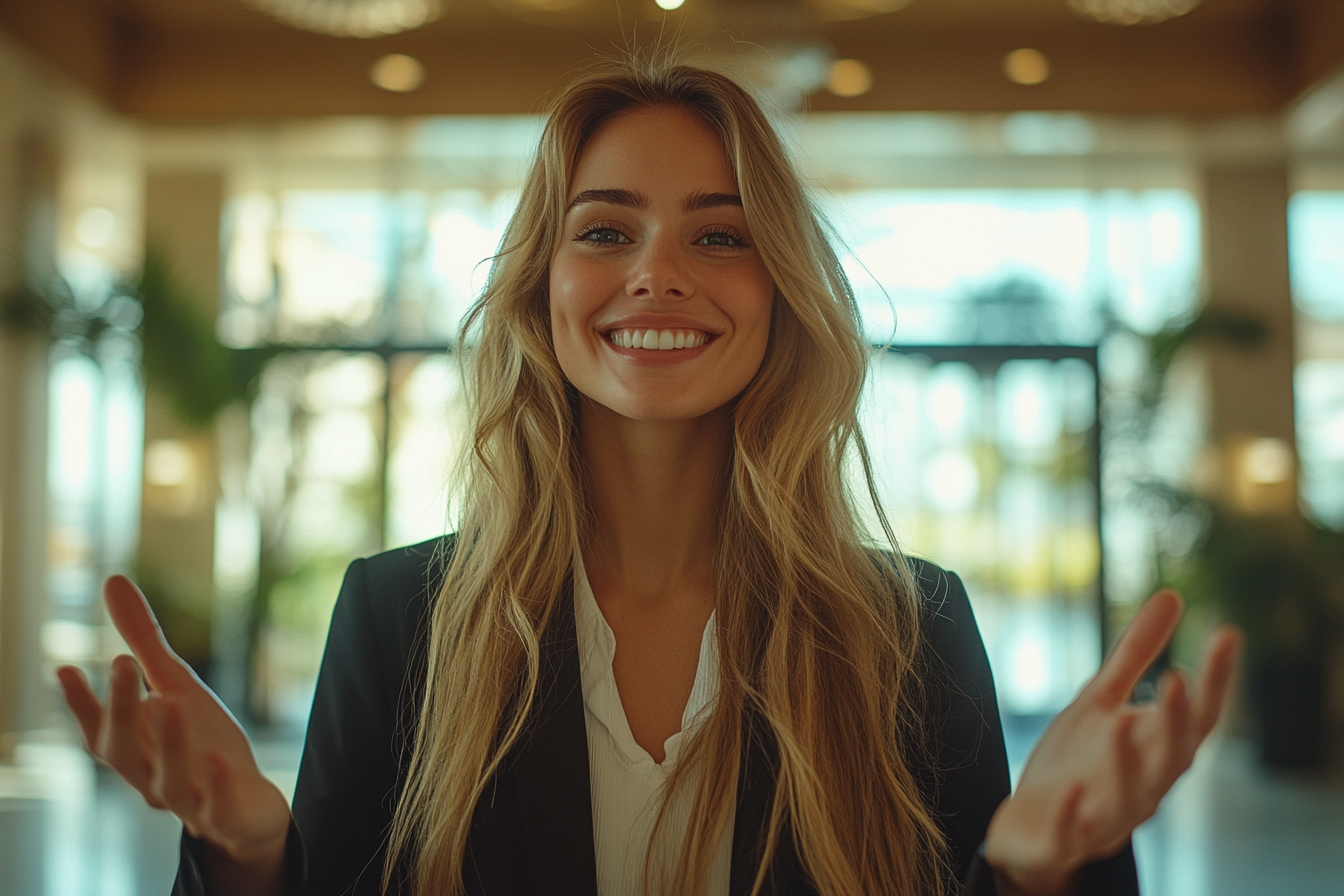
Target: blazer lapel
[549,769]
[550,772]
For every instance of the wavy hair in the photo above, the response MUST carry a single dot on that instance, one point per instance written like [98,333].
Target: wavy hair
[818,636]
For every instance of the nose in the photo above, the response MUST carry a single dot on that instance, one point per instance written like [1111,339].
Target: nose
[659,271]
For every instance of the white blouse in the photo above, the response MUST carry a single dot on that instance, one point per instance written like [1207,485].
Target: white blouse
[626,783]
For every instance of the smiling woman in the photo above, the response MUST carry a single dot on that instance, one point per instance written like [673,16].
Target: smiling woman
[667,253]
[661,655]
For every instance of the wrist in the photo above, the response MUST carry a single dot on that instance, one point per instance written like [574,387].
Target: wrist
[263,834]
[255,867]
[1025,860]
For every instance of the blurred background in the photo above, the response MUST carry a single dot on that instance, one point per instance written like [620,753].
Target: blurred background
[1100,242]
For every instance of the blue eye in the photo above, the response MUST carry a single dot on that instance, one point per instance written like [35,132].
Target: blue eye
[609,236]
[720,239]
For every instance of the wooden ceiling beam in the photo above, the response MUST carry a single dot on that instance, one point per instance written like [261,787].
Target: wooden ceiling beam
[159,68]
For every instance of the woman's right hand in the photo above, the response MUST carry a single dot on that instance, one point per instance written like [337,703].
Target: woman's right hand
[182,749]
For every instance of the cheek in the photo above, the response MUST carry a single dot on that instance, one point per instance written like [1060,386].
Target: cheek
[573,288]
[753,315]
[758,309]
[569,318]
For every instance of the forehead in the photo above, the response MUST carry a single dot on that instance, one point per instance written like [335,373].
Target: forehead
[655,150]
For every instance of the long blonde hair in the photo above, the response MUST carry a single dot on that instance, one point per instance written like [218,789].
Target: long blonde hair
[818,635]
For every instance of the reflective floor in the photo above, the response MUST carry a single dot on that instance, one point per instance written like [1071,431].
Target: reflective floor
[1227,829]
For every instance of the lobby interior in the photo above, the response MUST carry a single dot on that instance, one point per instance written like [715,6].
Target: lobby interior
[1098,246]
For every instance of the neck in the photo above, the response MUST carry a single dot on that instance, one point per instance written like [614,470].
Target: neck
[657,489]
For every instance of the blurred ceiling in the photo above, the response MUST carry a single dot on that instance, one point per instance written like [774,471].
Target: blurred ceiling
[212,60]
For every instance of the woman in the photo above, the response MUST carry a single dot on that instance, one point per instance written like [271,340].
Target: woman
[658,657]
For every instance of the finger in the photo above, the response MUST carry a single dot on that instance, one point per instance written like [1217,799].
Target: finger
[83,703]
[1175,747]
[130,613]
[123,744]
[1215,678]
[1128,764]
[174,781]
[1140,643]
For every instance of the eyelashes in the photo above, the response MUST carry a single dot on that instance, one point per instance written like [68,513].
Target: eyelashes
[735,240]
[609,233]
[590,232]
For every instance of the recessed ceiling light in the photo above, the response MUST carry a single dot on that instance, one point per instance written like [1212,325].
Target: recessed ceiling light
[849,77]
[398,73]
[857,9]
[1132,12]
[352,18]
[1026,66]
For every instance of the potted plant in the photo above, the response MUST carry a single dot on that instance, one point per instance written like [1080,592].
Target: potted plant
[1280,577]
[1282,581]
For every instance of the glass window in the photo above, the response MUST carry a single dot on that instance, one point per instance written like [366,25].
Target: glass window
[986,465]
[1316,258]
[1022,267]
[1316,252]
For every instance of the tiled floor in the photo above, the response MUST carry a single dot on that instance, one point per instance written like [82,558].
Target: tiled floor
[1227,829]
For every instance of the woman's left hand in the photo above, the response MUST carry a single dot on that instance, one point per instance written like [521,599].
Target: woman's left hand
[1104,764]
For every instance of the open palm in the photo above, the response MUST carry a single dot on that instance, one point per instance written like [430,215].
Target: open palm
[177,744]
[1104,764]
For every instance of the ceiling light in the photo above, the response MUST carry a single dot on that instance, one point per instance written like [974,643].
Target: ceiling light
[1026,66]
[351,18]
[540,10]
[1132,12]
[849,77]
[398,73]
[669,4]
[857,9]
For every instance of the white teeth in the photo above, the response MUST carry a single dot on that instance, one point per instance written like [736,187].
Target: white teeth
[658,340]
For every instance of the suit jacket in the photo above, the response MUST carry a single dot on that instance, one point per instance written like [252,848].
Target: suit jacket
[532,830]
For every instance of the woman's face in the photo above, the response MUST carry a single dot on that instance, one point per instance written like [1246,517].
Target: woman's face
[660,303]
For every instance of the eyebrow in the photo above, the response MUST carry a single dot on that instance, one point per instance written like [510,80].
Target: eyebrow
[627,198]
[701,201]
[695,202]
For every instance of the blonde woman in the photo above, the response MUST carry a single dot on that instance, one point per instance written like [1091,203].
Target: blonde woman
[660,655]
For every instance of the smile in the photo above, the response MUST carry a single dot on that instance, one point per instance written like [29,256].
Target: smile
[658,340]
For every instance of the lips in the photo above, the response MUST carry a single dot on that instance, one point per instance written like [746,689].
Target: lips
[664,340]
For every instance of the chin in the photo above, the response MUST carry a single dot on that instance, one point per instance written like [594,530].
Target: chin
[662,409]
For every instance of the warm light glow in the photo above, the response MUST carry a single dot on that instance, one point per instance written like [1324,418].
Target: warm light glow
[849,77]
[1132,12]
[95,227]
[169,463]
[398,73]
[1026,66]
[1267,461]
[669,4]
[857,9]
[351,18]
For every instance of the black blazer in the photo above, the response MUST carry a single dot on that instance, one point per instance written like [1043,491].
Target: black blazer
[532,831]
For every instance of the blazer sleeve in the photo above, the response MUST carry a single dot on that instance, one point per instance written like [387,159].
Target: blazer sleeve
[969,776]
[365,700]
